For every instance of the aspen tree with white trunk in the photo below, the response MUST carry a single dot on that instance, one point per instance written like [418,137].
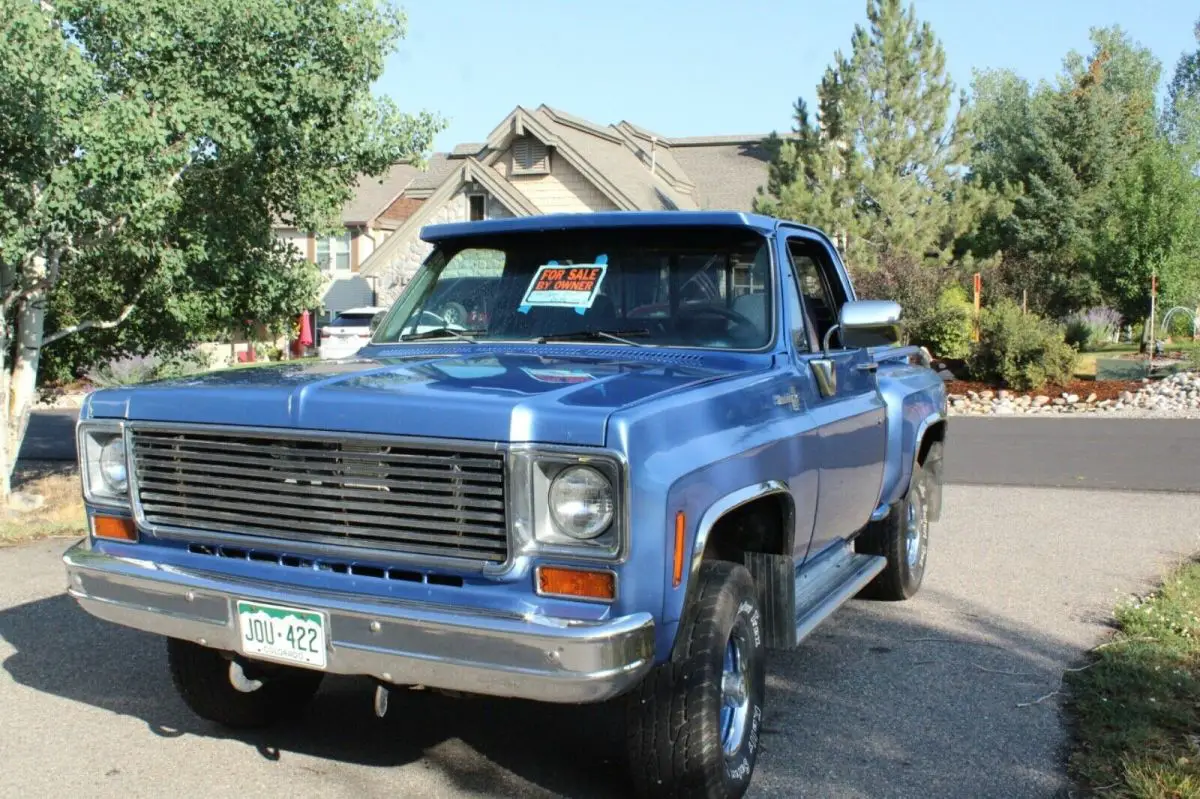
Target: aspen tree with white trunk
[147,147]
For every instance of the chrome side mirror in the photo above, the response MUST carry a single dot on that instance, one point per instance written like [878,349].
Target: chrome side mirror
[867,323]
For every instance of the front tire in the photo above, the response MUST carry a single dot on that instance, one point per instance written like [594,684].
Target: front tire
[693,725]
[903,538]
[202,676]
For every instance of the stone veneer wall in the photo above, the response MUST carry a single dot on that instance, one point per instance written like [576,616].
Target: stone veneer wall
[413,252]
[404,263]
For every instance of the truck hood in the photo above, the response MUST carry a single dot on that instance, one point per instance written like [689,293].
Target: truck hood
[482,396]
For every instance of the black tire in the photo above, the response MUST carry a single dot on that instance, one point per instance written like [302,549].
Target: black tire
[674,741]
[902,577]
[201,676]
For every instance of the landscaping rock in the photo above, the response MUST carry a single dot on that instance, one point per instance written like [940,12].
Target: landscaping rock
[1174,396]
[21,502]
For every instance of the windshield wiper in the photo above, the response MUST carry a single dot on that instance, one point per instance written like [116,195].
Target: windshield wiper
[620,336]
[443,332]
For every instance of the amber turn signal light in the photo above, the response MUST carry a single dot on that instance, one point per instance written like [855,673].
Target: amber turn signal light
[677,565]
[117,528]
[576,582]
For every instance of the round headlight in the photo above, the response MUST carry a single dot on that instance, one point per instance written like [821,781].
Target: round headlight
[112,465]
[581,502]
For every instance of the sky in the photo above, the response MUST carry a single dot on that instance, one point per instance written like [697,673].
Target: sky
[709,67]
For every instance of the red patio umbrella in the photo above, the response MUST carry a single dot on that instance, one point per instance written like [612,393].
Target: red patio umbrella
[306,335]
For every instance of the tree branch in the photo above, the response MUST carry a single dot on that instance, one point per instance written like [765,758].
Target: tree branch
[91,324]
[114,226]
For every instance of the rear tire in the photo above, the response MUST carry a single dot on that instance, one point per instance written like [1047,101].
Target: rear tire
[202,677]
[693,725]
[903,538]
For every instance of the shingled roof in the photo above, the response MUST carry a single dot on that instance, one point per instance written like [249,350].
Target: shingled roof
[642,169]
[634,168]
[372,196]
[727,170]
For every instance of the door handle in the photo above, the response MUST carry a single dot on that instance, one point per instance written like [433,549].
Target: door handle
[870,366]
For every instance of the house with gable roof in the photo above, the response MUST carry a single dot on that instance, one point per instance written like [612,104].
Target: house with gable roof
[375,210]
[548,161]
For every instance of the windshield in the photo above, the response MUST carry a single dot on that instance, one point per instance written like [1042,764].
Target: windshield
[672,286]
[352,320]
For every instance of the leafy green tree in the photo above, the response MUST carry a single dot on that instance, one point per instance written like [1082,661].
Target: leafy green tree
[147,145]
[1152,225]
[1065,147]
[1183,93]
[881,168]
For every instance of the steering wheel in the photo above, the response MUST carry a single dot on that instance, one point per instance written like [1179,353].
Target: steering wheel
[426,312]
[722,311]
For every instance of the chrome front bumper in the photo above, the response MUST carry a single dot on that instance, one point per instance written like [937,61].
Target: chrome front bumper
[530,657]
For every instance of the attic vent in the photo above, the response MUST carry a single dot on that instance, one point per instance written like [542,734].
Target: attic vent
[530,157]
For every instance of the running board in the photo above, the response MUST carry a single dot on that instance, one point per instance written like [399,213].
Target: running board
[793,605]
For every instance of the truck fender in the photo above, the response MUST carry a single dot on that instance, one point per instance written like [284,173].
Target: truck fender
[934,466]
[719,509]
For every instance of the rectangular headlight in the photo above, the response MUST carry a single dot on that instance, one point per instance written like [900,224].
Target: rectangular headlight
[104,463]
[568,503]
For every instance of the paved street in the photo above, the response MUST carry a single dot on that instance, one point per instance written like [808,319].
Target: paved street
[916,699]
[51,436]
[1136,454]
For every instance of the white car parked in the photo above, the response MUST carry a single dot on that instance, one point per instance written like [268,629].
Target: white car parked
[349,331]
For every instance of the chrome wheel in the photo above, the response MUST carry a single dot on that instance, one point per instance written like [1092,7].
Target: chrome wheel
[916,528]
[454,314]
[735,691]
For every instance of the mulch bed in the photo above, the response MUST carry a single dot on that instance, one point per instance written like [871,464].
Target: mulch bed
[1103,389]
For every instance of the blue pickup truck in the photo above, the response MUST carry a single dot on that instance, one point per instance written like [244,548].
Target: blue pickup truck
[645,449]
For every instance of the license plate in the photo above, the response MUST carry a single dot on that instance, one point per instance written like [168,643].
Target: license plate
[287,635]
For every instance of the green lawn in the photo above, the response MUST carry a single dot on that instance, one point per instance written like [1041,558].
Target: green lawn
[1136,708]
[1117,368]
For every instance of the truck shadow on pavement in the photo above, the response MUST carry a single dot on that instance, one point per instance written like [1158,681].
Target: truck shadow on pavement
[875,701]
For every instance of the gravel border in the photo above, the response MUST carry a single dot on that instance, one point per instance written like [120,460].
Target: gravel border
[1174,397]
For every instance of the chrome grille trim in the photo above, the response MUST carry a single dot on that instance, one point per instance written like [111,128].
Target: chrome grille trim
[401,499]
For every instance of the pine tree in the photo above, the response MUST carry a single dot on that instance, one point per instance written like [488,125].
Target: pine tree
[881,167]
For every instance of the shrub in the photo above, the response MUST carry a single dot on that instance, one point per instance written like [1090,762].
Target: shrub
[946,331]
[144,368]
[914,284]
[183,364]
[123,371]
[1022,351]
[1092,329]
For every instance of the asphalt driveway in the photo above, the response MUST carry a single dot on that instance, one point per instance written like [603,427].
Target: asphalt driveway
[936,697]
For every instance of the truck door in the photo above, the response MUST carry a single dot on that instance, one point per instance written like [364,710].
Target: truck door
[844,399]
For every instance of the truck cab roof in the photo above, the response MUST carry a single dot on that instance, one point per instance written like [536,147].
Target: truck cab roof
[608,219]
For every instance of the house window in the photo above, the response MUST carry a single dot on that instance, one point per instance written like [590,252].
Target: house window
[477,207]
[530,157]
[333,252]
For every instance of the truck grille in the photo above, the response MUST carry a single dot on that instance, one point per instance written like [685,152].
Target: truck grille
[396,497]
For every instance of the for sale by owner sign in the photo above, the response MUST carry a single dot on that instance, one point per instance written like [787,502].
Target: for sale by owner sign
[557,286]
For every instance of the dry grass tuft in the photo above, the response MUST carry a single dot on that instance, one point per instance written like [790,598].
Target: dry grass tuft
[62,515]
